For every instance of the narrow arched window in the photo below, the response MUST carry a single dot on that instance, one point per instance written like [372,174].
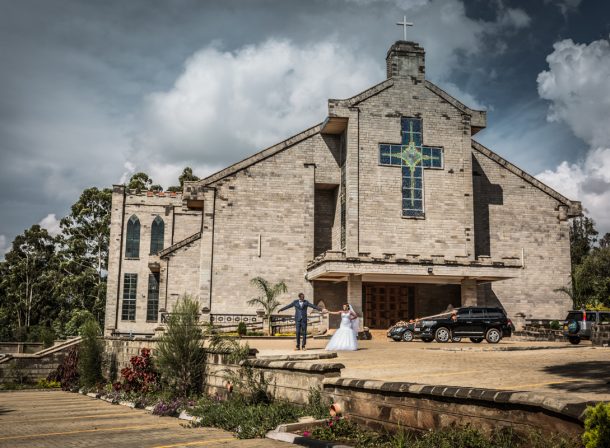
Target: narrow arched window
[132,249]
[157,231]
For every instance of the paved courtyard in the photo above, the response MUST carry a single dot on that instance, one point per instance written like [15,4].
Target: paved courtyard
[553,367]
[58,419]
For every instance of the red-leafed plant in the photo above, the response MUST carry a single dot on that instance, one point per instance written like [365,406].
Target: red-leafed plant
[141,376]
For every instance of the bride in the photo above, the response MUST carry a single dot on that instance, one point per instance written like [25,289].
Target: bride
[345,338]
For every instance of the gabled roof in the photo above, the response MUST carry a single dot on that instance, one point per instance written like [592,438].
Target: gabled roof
[264,154]
[574,207]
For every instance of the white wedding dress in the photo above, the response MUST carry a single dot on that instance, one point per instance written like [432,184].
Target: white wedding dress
[345,338]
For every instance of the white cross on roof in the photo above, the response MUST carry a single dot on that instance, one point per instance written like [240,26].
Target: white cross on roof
[404,25]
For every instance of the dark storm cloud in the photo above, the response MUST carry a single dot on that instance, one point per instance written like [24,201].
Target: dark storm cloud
[76,77]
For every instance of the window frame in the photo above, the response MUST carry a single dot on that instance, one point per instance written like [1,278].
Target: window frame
[132,238]
[130,297]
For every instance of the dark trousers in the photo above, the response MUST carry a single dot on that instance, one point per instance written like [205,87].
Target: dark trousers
[301,331]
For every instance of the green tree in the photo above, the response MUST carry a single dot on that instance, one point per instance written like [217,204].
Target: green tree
[180,352]
[605,240]
[27,282]
[268,298]
[140,182]
[186,176]
[84,251]
[582,238]
[593,278]
[90,355]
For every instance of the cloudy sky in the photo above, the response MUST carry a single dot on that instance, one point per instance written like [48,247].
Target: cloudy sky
[92,91]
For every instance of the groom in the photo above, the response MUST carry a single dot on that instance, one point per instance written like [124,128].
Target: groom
[300,318]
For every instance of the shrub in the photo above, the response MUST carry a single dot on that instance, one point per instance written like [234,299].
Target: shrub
[242,330]
[90,355]
[554,325]
[141,377]
[244,419]
[171,407]
[44,383]
[19,372]
[316,406]
[597,426]
[67,372]
[180,355]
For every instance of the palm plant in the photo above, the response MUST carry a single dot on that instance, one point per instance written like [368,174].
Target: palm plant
[268,298]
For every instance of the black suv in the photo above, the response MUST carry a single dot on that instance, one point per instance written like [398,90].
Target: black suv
[476,323]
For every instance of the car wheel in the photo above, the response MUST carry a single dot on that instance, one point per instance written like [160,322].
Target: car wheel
[455,339]
[493,336]
[574,340]
[476,340]
[407,336]
[427,339]
[442,334]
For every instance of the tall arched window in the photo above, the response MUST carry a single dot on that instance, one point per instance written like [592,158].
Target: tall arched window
[157,231]
[132,248]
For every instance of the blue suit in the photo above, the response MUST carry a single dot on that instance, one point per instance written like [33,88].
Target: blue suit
[300,317]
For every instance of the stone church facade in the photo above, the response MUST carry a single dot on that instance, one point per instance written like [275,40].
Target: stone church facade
[388,204]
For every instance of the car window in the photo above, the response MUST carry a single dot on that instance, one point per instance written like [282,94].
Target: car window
[494,313]
[591,317]
[575,315]
[477,312]
[604,317]
[463,312]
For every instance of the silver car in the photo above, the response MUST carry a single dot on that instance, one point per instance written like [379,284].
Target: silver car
[577,326]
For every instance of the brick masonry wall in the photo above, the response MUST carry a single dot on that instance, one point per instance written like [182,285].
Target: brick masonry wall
[273,199]
[179,223]
[447,192]
[333,295]
[512,215]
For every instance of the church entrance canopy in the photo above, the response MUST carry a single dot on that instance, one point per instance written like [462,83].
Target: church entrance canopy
[335,266]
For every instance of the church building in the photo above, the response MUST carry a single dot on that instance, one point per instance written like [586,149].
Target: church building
[389,204]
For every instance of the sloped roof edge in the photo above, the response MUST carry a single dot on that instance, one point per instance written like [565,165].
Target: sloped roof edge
[478,118]
[574,207]
[261,155]
[364,95]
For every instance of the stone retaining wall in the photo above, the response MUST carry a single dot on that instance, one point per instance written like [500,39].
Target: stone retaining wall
[600,335]
[25,367]
[20,347]
[386,404]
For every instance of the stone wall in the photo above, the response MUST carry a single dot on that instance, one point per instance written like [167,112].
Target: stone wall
[387,405]
[513,217]
[447,225]
[179,223]
[20,347]
[263,224]
[34,366]
[600,335]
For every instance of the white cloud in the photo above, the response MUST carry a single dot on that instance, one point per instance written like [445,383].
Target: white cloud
[4,246]
[51,223]
[226,105]
[578,86]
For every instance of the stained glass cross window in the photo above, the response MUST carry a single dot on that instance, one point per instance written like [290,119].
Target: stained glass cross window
[412,157]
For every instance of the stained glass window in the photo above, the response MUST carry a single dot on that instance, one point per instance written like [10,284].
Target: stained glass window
[132,245]
[412,157]
[152,307]
[157,231]
[130,282]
